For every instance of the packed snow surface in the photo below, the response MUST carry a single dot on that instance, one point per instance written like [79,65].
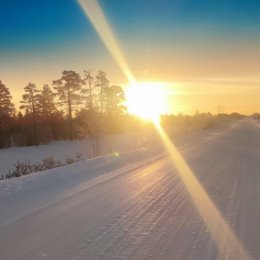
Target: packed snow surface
[135,206]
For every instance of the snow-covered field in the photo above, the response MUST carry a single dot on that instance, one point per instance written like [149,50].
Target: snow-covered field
[62,150]
[135,206]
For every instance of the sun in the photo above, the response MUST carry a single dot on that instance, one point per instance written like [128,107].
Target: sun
[146,100]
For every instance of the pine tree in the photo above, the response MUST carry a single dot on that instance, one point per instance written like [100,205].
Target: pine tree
[88,91]
[30,103]
[115,97]
[46,100]
[7,111]
[102,83]
[47,109]
[68,88]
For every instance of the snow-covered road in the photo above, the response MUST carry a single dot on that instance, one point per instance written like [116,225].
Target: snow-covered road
[147,213]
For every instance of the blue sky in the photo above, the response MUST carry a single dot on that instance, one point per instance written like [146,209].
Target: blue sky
[163,40]
[48,23]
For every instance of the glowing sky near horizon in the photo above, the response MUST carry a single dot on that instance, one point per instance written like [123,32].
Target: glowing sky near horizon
[207,51]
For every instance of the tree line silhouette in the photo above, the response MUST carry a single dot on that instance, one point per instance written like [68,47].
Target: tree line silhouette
[77,106]
[74,106]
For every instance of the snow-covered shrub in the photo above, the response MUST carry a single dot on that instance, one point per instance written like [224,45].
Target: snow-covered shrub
[70,160]
[50,163]
[78,156]
[23,168]
[47,163]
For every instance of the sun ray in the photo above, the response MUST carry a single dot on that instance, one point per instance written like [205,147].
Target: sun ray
[217,226]
[96,16]
[228,244]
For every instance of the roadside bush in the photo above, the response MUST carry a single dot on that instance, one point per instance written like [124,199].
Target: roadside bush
[47,163]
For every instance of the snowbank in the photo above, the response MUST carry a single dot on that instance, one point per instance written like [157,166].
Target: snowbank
[62,150]
[20,196]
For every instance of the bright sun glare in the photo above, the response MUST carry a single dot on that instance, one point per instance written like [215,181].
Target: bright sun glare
[146,100]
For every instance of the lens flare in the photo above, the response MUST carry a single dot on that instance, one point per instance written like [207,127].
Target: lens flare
[96,16]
